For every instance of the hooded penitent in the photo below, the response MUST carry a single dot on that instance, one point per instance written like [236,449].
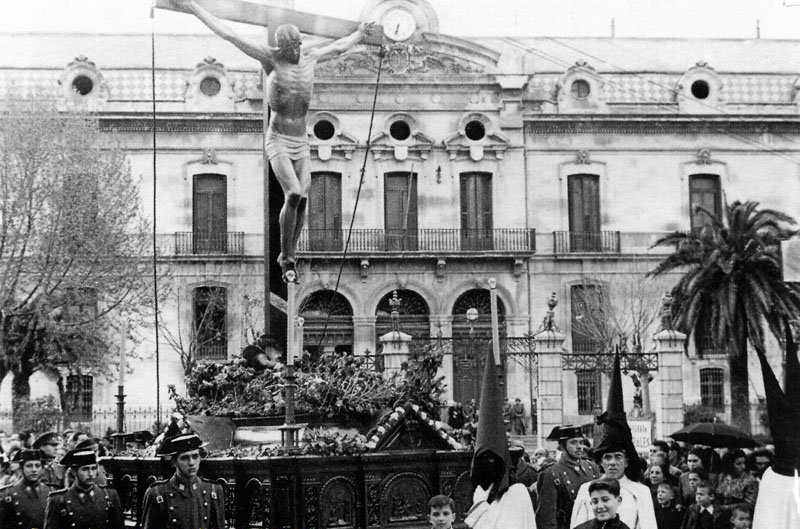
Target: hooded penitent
[615,433]
[491,430]
[783,409]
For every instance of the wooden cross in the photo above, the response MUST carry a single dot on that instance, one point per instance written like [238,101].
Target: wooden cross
[272,17]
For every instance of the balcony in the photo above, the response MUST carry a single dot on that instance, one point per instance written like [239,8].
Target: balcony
[509,240]
[209,243]
[586,242]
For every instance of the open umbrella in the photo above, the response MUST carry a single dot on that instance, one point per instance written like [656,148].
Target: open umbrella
[715,435]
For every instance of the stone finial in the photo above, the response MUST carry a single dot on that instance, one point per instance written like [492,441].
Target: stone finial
[548,323]
[395,304]
[666,312]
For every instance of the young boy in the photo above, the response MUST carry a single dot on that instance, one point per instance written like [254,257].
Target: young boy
[693,477]
[668,514]
[706,513]
[741,516]
[605,499]
[441,512]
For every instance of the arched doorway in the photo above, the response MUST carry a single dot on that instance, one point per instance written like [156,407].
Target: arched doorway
[414,314]
[328,323]
[472,341]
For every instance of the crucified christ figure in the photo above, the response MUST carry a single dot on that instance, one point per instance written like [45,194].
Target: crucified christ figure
[290,79]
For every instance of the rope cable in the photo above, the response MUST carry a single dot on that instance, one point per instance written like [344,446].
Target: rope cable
[155,249]
[358,196]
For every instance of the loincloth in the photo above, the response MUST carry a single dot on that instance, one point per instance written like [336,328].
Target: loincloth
[295,147]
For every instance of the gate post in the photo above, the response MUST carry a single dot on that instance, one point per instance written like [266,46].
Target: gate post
[549,347]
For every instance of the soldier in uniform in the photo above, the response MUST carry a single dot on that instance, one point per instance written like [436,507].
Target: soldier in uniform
[185,501]
[52,472]
[84,505]
[558,485]
[22,504]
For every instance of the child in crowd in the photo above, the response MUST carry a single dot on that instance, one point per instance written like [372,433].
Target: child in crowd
[441,512]
[693,477]
[706,513]
[669,515]
[605,499]
[741,516]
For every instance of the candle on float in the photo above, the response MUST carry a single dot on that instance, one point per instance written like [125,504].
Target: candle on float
[122,347]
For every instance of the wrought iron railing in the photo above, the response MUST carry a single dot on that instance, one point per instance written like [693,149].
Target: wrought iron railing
[212,351]
[193,243]
[424,240]
[586,242]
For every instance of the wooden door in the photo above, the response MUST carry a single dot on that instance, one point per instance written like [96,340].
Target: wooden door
[584,213]
[210,213]
[325,212]
[400,199]
[476,211]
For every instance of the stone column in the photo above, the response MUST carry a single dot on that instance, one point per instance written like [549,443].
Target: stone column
[669,408]
[549,348]
[394,350]
[363,334]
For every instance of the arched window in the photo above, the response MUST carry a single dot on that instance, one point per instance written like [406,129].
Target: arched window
[328,322]
[478,299]
[414,314]
[712,387]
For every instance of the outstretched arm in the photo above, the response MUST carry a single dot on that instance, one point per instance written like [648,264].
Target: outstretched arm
[251,48]
[345,43]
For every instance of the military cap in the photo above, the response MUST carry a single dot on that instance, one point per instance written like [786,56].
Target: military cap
[79,458]
[87,444]
[565,433]
[179,444]
[49,438]
[20,456]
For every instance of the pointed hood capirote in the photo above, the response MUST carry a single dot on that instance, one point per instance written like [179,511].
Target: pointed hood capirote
[615,435]
[783,409]
[491,435]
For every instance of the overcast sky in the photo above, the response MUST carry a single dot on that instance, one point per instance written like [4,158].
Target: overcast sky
[640,18]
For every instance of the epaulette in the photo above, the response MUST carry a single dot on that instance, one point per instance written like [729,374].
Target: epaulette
[156,483]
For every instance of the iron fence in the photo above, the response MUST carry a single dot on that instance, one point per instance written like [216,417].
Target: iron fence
[99,423]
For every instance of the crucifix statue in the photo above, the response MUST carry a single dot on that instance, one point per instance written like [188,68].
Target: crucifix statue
[289,68]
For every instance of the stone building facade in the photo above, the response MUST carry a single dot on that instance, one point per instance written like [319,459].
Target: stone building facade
[546,164]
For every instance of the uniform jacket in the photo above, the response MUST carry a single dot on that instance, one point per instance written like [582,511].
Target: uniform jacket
[52,474]
[616,523]
[76,508]
[22,505]
[177,504]
[721,516]
[636,509]
[557,487]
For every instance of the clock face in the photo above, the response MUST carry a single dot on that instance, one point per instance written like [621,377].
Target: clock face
[398,24]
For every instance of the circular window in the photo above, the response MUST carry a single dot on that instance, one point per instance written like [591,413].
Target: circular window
[700,89]
[210,86]
[324,129]
[82,85]
[580,89]
[475,130]
[400,130]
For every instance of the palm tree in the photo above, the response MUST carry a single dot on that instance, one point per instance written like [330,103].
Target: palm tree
[732,285]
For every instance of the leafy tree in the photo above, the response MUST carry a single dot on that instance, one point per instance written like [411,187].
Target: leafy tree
[732,285]
[72,240]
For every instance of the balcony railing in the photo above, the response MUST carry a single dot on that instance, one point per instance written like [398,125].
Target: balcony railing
[424,240]
[212,351]
[191,243]
[586,242]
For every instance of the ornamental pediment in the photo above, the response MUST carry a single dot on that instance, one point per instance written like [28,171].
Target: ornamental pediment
[400,59]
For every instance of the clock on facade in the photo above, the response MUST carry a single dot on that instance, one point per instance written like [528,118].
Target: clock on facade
[398,24]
